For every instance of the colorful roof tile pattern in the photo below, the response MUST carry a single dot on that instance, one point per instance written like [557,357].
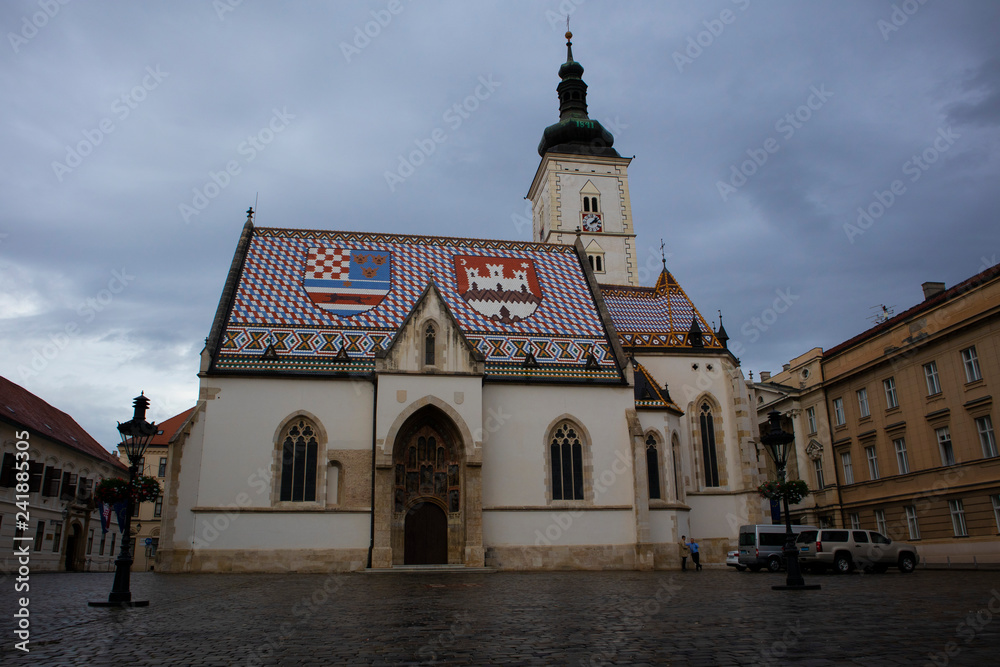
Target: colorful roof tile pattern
[656,317]
[648,394]
[305,297]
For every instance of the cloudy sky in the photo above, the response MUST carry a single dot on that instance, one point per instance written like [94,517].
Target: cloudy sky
[803,162]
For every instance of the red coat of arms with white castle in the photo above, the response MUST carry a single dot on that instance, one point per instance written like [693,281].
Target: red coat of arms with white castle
[504,289]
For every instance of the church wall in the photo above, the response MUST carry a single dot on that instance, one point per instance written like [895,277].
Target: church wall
[243,422]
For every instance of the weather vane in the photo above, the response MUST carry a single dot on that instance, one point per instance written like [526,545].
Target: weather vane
[663,255]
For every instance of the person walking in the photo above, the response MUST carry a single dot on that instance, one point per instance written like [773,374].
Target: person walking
[685,552]
[695,556]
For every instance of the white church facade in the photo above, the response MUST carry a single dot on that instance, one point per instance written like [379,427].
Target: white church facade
[376,400]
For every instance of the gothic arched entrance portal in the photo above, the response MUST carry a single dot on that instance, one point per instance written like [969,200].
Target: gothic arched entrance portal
[427,518]
[425,536]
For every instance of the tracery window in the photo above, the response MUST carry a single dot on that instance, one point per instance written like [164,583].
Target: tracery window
[709,455]
[653,467]
[566,456]
[299,449]
[429,336]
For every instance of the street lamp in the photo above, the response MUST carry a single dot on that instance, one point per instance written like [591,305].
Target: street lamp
[136,434]
[778,443]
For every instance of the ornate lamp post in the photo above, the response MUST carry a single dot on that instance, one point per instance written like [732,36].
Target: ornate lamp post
[136,434]
[778,443]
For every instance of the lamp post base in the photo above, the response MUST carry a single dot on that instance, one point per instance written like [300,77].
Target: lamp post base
[796,587]
[130,603]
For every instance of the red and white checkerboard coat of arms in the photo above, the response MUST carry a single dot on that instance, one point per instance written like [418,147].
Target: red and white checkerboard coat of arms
[347,282]
[504,289]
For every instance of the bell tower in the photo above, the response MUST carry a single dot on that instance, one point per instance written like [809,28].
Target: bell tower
[582,184]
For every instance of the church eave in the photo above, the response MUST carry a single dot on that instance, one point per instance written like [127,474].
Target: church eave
[228,295]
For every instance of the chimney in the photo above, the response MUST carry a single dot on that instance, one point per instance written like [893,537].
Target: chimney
[932,289]
[785,367]
[765,376]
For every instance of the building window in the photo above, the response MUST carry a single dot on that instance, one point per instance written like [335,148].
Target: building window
[36,471]
[7,470]
[818,467]
[429,336]
[298,462]
[39,535]
[111,551]
[566,452]
[845,461]
[56,536]
[68,486]
[855,521]
[902,462]
[986,437]
[944,444]
[590,205]
[970,360]
[596,262]
[709,454]
[891,400]
[957,510]
[872,462]
[911,522]
[675,454]
[881,525]
[158,506]
[162,472]
[811,418]
[863,403]
[931,375]
[838,412]
[996,510]
[100,549]
[653,468]
[90,541]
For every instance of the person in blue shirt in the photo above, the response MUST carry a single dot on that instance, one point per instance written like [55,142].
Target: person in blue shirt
[695,556]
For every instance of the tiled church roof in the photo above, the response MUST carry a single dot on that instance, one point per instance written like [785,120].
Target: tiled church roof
[305,297]
[656,317]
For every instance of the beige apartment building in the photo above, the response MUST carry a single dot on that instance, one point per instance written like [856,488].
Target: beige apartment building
[899,427]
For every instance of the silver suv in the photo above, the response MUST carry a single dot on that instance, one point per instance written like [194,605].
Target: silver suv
[843,550]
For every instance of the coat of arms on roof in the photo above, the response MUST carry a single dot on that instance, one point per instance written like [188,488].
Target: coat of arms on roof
[346,282]
[504,289]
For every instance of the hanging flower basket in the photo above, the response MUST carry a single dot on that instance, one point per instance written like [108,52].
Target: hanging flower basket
[794,490]
[111,491]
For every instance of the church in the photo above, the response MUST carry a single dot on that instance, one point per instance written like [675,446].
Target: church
[374,401]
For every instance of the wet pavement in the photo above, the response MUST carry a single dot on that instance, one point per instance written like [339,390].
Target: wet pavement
[713,617]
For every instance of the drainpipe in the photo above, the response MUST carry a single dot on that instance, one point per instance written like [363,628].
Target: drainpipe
[371,542]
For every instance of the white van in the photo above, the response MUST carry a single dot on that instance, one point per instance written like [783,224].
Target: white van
[761,544]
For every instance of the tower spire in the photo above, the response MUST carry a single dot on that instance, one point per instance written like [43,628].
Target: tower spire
[575,132]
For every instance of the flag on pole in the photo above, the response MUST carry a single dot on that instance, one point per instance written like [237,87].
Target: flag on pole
[105,517]
[120,510]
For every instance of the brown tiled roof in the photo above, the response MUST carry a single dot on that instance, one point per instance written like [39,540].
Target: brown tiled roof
[22,408]
[168,428]
[926,304]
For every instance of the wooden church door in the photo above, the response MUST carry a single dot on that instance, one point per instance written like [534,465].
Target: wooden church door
[425,535]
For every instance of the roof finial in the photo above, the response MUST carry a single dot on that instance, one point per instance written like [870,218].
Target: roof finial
[250,215]
[569,44]
[663,255]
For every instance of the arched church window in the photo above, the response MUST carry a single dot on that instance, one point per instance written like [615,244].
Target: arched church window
[299,449]
[709,455]
[675,453]
[653,467]
[429,336]
[590,258]
[566,456]
[586,204]
[598,264]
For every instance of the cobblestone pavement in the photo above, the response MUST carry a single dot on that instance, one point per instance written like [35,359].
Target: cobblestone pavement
[714,617]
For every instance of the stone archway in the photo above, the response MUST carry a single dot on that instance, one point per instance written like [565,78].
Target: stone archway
[428,521]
